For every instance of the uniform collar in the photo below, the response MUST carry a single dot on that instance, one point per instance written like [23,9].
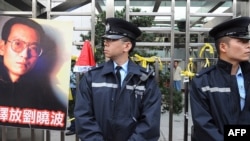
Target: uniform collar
[226,66]
[239,71]
[131,67]
[124,66]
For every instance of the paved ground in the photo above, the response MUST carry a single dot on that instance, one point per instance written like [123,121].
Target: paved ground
[177,127]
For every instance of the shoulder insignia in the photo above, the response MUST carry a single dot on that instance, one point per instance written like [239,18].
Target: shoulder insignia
[146,74]
[205,71]
[97,67]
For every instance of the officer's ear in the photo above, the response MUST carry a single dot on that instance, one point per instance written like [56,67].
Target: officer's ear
[127,46]
[223,47]
[2,47]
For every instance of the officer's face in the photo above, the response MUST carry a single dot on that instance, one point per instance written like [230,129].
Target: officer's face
[237,50]
[20,62]
[115,49]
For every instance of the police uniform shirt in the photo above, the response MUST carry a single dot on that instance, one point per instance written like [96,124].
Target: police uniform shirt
[123,70]
[240,82]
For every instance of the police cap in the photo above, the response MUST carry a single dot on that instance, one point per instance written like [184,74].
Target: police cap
[117,28]
[235,28]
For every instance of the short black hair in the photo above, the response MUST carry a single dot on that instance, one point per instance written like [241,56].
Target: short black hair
[133,42]
[220,40]
[25,21]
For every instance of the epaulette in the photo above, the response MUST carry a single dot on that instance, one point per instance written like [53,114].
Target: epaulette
[146,74]
[205,71]
[100,66]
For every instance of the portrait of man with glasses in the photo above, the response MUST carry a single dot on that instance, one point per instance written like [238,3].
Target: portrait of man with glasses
[22,87]
[20,46]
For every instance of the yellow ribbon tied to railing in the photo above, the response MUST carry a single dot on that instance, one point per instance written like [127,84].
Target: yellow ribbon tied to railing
[211,51]
[188,72]
[145,60]
[207,63]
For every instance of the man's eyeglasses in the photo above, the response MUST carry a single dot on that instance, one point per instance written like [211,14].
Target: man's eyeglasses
[19,45]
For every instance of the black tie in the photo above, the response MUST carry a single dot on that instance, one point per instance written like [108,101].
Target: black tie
[118,74]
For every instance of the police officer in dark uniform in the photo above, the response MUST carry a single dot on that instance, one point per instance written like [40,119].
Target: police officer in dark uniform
[121,107]
[220,94]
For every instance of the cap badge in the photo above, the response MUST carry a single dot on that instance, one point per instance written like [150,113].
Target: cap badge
[249,29]
[107,28]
